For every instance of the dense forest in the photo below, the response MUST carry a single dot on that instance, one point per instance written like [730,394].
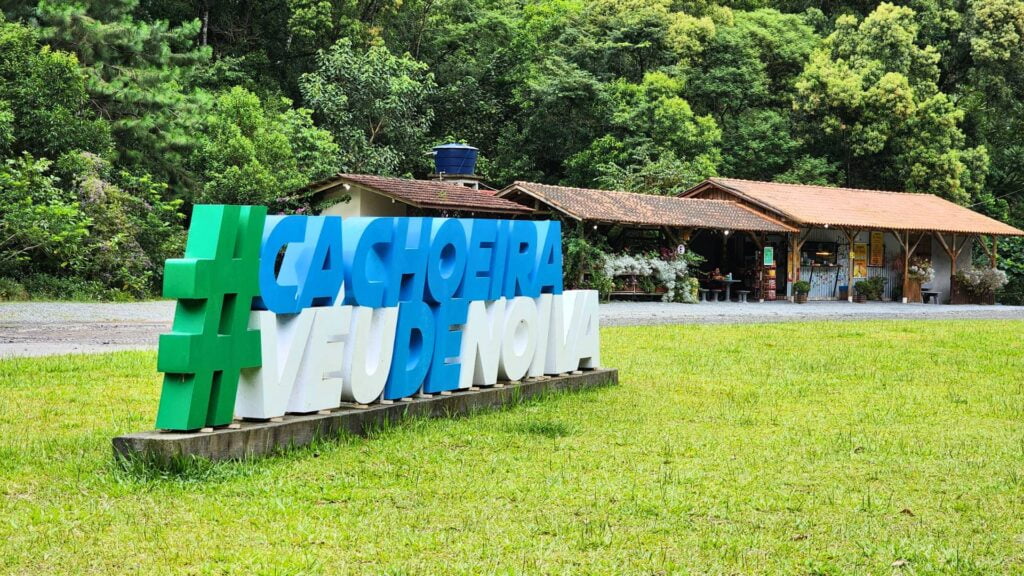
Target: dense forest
[117,115]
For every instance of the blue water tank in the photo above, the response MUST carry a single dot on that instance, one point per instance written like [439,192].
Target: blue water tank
[455,159]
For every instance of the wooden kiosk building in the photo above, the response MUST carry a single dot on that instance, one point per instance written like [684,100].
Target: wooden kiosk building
[829,237]
[847,234]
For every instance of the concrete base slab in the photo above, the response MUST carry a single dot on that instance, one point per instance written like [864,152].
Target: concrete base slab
[261,438]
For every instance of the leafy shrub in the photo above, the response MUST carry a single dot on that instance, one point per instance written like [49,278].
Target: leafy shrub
[50,287]
[872,288]
[584,264]
[982,282]
[41,226]
[1013,293]
[649,269]
[688,293]
[132,229]
[802,287]
[11,290]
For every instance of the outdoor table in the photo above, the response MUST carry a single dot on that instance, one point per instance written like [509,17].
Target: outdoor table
[728,288]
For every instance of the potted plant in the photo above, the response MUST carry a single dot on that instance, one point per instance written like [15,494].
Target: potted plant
[876,287]
[861,290]
[646,285]
[979,286]
[800,290]
[920,272]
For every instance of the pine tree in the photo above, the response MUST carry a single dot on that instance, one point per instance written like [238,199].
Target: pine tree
[138,76]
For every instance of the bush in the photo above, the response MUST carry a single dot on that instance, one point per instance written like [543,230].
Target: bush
[650,269]
[802,287]
[1013,293]
[688,293]
[872,288]
[41,226]
[49,287]
[584,263]
[982,283]
[11,290]
[132,229]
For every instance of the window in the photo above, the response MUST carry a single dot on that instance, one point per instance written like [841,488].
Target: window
[819,254]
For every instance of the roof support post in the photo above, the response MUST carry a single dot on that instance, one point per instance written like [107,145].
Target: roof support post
[796,242]
[953,251]
[904,239]
[851,236]
[904,242]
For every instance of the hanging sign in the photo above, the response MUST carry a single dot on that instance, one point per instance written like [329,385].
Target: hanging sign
[877,249]
[295,314]
[769,256]
[860,260]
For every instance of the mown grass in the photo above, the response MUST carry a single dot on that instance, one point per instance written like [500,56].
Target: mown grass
[847,448]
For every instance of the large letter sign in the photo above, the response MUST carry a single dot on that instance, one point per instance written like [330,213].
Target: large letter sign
[296,314]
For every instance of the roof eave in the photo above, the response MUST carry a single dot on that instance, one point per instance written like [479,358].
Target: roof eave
[519,187]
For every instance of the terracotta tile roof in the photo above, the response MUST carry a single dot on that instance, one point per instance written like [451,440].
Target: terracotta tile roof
[857,208]
[646,209]
[426,193]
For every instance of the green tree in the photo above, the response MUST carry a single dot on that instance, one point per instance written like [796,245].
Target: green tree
[44,107]
[252,154]
[651,123]
[745,80]
[870,98]
[137,77]
[374,103]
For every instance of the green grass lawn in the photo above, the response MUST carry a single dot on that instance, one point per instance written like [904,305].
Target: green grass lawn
[846,448]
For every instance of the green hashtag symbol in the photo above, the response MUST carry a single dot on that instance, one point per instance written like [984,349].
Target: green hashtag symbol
[210,341]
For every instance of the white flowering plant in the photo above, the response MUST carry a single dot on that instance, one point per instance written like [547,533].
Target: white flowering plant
[672,274]
[982,282]
[921,270]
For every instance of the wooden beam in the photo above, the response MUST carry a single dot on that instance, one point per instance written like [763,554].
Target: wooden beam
[796,242]
[951,248]
[905,243]
[907,251]
[992,251]
[671,235]
[916,244]
[899,238]
[950,251]
[851,237]
[942,240]
[966,241]
[757,239]
[792,264]
[803,238]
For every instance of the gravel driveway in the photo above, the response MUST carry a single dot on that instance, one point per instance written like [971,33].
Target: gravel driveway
[42,328]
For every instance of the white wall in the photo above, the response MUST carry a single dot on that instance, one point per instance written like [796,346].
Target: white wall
[364,203]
